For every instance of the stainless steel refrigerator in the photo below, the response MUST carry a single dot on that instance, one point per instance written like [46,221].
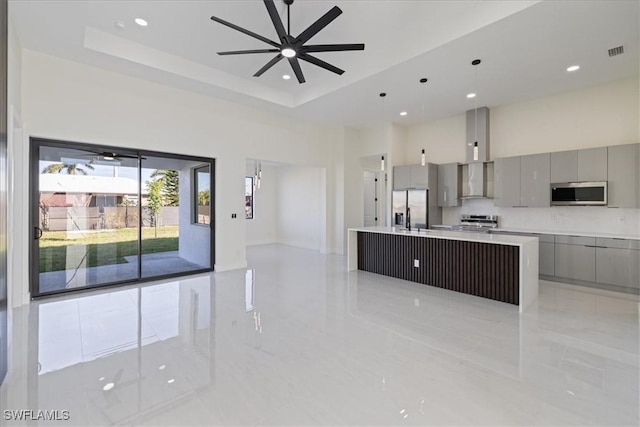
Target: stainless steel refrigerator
[417,203]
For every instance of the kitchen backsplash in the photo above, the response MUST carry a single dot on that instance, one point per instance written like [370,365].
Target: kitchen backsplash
[582,219]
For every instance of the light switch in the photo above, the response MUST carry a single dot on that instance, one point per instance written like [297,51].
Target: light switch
[416,263]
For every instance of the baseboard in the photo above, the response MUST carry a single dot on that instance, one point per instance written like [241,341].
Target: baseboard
[227,267]
[261,242]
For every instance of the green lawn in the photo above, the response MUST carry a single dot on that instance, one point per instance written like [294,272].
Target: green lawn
[101,247]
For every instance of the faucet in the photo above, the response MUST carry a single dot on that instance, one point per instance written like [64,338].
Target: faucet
[409,219]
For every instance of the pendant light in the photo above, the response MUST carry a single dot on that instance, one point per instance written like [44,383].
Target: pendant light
[423,157]
[259,173]
[476,154]
[255,177]
[382,96]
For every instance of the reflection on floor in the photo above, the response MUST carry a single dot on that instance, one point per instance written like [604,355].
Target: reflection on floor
[158,264]
[297,340]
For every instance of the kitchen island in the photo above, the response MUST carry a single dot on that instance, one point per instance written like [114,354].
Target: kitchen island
[498,267]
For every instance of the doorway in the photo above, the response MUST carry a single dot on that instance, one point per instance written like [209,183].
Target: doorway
[104,216]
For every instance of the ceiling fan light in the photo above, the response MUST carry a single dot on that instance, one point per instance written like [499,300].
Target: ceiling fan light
[288,52]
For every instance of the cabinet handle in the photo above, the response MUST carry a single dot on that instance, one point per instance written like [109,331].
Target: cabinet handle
[595,246]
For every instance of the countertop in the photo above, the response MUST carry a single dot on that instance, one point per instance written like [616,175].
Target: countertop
[559,233]
[499,239]
[570,233]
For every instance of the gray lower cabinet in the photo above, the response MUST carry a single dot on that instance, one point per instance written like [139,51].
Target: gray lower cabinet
[624,176]
[592,164]
[449,183]
[616,266]
[507,181]
[546,258]
[534,180]
[575,261]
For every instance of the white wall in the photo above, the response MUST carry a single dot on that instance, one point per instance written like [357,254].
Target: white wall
[594,117]
[194,241]
[69,101]
[262,228]
[18,175]
[299,206]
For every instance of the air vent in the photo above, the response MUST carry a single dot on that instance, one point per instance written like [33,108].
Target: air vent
[616,51]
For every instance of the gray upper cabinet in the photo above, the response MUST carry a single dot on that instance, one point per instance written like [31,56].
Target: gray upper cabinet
[592,164]
[419,176]
[535,180]
[507,181]
[449,183]
[401,177]
[413,176]
[564,166]
[623,176]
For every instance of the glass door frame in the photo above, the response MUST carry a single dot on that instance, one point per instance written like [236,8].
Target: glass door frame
[34,196]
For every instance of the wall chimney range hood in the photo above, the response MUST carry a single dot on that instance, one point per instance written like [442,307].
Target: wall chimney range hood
[475,172]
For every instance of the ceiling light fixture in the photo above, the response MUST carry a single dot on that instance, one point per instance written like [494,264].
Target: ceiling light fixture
[286,77]
[403,113]
[423,158]
[471,95]
[108,386]
[382,163]
[141,22]
[288,52]
[573,68]
[118,24]
[476,153]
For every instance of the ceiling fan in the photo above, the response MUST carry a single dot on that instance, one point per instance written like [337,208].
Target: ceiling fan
[293,48]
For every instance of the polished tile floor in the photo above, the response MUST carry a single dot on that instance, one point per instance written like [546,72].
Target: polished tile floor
[297,340]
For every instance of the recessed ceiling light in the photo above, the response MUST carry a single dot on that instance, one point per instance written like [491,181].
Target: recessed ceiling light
[573,68]
[171,381]
[471,95]
[286,76]
[118,24]
[141,22]
[403,113]
[108,386]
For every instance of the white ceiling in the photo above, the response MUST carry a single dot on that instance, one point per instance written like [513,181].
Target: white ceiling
[525,47]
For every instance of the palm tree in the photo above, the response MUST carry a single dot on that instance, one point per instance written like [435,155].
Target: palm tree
[71,168]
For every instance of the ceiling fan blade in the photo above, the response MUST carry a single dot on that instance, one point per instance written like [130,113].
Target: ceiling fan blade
[244,31]
[277,22]
[296,69]
[332,47]
[268,65]
[322,22]
[320,63]
[242,52]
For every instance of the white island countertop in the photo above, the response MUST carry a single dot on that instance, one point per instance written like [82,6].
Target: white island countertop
[499,239]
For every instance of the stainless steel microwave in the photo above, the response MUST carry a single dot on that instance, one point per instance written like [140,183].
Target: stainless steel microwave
[579,194]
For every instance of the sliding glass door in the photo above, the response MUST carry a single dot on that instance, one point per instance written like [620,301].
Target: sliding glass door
[103,216]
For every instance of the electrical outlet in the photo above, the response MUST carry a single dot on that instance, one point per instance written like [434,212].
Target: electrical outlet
[416,263]
[233,215]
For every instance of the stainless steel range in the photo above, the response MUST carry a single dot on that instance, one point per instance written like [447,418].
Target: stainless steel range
[472,223]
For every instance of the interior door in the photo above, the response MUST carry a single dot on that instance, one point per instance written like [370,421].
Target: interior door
[370,199]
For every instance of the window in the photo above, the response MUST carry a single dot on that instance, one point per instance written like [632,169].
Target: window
[202,199]
[248,197]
